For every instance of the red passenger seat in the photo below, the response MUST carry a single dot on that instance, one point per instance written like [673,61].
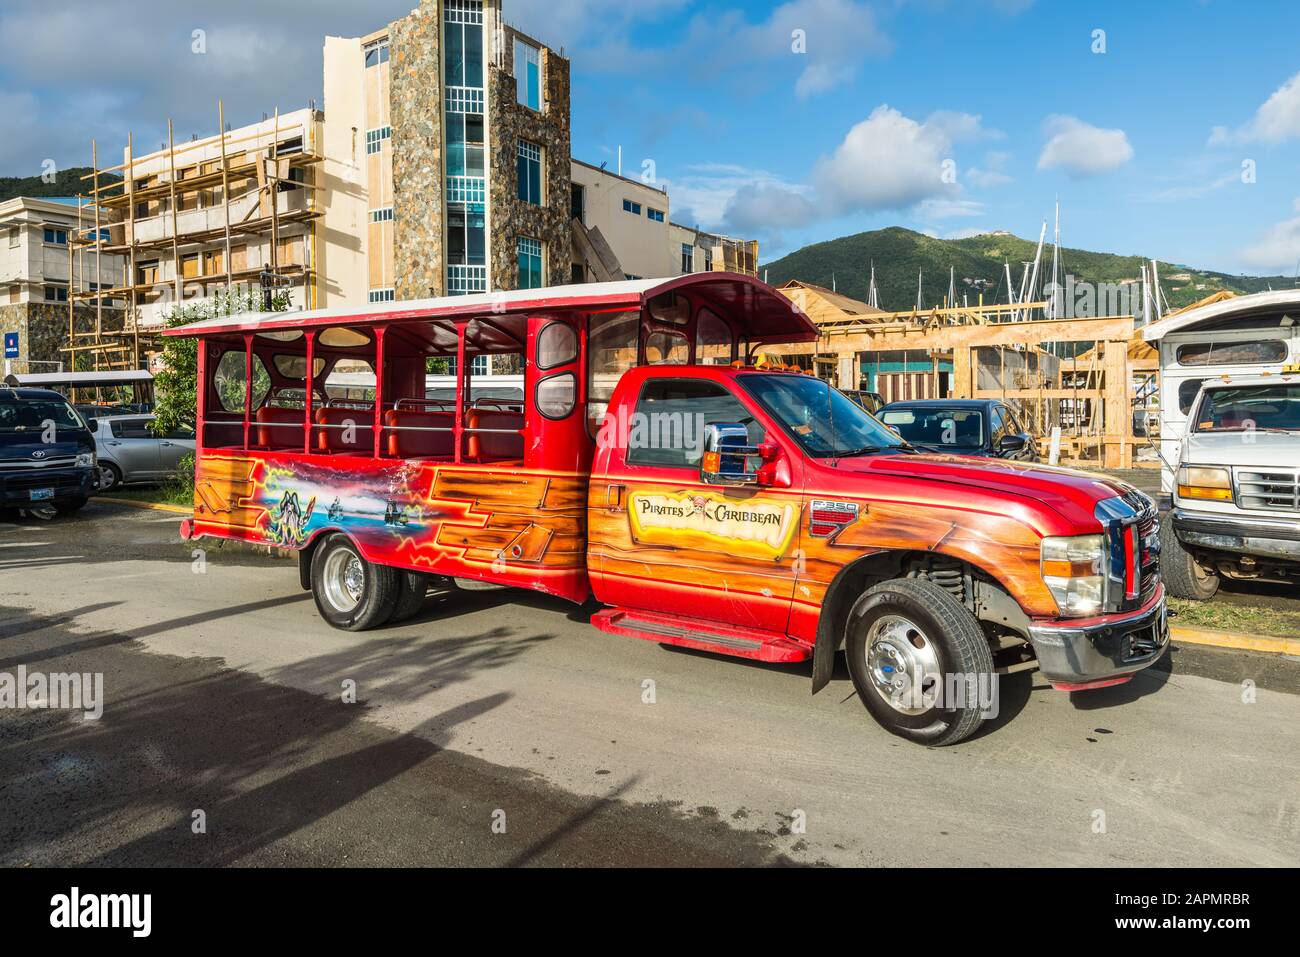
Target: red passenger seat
[334,438]
[275,428]
[495,446]
[406,444]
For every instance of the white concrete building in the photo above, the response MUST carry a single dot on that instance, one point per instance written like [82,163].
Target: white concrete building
[35,238]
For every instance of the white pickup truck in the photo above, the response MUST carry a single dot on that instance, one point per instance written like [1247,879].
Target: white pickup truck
[1236,498]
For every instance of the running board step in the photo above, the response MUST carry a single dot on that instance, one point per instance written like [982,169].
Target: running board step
[702,635]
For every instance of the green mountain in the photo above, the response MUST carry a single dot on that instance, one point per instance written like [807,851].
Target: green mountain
[979,263]
[66,182]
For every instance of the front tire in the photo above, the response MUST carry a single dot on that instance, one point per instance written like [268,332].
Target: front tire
[1183,575]
[351,593]
[109,478]
[920,662]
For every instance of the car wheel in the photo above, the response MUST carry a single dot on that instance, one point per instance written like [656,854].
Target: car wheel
[920,662]
[1183,575]
[351,593]
[109,477]
[70,506]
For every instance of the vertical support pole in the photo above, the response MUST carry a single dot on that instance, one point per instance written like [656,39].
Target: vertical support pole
[201,397]
[310,382]
[128,237]
[176,256]
[225,185]
[72,287]
[462,391]
[99,242]
[379,391]
[248,384]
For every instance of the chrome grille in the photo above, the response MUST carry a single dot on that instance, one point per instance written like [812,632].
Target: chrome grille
[63,462]
[1271,489]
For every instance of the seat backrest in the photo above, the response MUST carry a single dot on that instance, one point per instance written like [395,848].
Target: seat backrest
[406,444]
[489,446]
[274,428]
[334,437]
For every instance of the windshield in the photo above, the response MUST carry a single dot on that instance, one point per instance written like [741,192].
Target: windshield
[824,421]
[1255,408]
[954,429]
[33,417]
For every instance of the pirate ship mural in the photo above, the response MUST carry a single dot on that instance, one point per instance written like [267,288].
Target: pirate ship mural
[428,516]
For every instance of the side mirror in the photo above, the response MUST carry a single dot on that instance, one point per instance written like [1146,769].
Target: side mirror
[1010,444]
[726,455]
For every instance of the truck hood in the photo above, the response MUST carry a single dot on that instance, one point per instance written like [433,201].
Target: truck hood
[1260,449]
[1072,494]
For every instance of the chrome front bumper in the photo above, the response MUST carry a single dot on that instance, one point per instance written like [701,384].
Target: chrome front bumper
[1096,652]
[1240,534]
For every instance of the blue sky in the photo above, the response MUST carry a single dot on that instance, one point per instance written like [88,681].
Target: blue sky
[948,116]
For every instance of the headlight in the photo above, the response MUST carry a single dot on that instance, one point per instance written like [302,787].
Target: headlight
[85,460]
[1074,570]
[1196,481]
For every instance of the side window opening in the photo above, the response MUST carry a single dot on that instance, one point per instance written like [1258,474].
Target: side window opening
[667,429]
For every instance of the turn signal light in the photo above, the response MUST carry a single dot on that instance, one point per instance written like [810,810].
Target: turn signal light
[712,463]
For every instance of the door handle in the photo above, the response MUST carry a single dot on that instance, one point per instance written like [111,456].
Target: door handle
[614,496]
[114,443]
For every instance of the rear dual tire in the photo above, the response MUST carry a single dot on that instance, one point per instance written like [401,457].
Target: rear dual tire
[354,594]
[920,662]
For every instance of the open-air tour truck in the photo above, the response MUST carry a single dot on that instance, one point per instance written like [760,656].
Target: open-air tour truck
[704,498]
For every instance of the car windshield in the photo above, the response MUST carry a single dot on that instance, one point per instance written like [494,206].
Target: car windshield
[1255,408]
[33,417]
[824,421]
[937,428]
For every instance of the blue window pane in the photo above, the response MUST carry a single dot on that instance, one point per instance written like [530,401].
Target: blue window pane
[534,87]
[455,56]
[473,56]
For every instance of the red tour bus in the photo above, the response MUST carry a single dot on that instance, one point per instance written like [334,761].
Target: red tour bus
[705,499]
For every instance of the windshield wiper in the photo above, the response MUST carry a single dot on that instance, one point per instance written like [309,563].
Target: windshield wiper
[872,449]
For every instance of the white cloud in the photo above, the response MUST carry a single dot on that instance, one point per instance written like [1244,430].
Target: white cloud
[992,173]
[1276,120]
[888,161]
[1175,194]
[1278,249]
[1081,149]
[706,194]
[826,41]
[945,207]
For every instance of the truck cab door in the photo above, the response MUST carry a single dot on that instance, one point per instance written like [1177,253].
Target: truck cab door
[662,540]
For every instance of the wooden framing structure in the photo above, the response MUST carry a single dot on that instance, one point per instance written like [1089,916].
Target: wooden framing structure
[1089,395]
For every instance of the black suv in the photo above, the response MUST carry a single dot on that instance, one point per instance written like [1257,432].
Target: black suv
[47,455]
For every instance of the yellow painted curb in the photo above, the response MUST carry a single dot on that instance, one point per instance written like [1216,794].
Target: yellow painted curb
[152,506]
[1228,639]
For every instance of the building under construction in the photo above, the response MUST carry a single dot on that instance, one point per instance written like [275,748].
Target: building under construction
[1081,385]
[235,209]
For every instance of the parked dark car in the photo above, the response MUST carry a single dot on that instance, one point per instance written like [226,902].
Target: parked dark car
[983,427]
[869,401]
[47,455]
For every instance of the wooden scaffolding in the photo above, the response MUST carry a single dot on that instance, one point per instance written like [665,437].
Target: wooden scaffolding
[219,172]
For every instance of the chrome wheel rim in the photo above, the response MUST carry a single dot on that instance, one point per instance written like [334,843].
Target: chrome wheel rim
[903,664]
[344,578]
[106,477]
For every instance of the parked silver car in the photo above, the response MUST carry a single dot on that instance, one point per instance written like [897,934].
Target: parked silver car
[129,451]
